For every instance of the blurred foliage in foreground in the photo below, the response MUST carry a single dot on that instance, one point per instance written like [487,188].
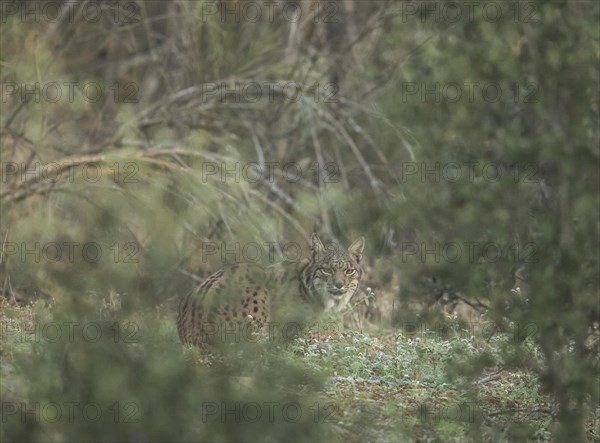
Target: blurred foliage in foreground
[466,151]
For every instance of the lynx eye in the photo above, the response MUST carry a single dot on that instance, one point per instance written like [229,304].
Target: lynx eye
[350,272]
[325,271]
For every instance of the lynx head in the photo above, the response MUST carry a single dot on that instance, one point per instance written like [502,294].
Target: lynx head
[332,275]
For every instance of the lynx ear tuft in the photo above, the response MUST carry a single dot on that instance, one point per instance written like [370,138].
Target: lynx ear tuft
[356,249]
[317,244]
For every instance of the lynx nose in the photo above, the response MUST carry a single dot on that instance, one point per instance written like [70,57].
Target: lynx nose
[338,284]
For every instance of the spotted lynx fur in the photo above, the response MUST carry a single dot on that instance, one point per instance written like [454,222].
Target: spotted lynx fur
[239,295]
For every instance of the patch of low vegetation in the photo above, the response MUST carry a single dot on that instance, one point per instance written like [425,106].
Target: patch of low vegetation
[335,383]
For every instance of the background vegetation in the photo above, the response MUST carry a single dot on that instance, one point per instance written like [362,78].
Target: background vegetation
[141,143]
